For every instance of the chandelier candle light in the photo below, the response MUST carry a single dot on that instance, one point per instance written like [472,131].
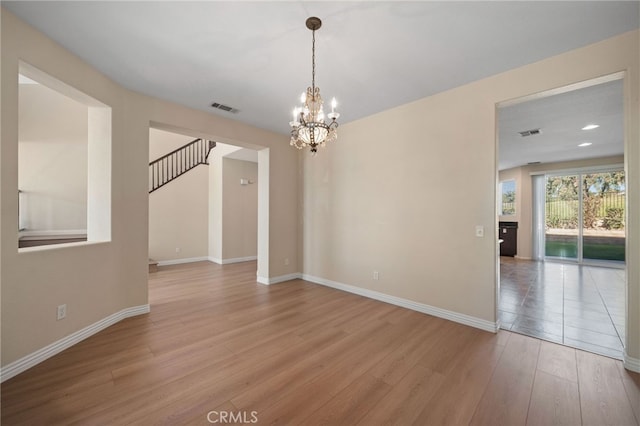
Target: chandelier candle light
[308,127]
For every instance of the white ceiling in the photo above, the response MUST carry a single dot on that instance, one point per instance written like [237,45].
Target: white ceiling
[560,119]
[256,56]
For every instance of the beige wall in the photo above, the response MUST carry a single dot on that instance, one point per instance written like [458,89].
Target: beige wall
[52,151]
[402,191]
[240,209]
[96,280]
[524,195]
[178,212]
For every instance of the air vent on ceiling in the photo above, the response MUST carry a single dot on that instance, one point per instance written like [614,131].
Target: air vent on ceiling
[531,163]
[530,132]
[224,107]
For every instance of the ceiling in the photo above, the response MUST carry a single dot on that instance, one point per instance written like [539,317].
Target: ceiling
[372,56]
[560,119]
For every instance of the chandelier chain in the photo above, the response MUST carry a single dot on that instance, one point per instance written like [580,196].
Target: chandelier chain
[313,61]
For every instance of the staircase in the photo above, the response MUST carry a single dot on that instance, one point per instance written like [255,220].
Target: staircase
[178,162]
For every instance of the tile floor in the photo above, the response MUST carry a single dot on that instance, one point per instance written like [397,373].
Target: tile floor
[578,306]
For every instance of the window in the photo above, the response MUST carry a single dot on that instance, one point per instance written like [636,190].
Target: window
[507,198]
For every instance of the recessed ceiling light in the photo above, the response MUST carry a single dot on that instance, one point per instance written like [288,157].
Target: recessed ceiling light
[585,144]
[590,126]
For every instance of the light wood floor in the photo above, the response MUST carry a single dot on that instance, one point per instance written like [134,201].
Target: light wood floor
[299,353]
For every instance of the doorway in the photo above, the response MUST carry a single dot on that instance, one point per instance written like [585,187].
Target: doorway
[565,151]
[216,211]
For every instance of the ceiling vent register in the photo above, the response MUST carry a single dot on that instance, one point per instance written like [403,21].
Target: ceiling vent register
[224,107]
[531,132]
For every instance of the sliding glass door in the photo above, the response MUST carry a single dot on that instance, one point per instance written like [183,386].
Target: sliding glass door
[584,216]
[562,217]
[603,207]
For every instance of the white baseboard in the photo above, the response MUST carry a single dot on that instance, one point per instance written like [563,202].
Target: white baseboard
[522,257]
[280,279]
[239,260]
[232,260]
[179,261]
[24,363]
[631,364]
[409,304]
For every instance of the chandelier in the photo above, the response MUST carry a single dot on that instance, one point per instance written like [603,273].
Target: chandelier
[308,128]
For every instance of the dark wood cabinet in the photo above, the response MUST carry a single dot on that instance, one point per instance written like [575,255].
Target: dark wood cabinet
[508,233]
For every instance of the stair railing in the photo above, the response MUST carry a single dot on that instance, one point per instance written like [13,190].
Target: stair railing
[179,161]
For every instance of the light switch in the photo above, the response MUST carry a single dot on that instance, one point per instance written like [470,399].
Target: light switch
[479,231]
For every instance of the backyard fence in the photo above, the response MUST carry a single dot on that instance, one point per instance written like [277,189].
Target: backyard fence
[508,208]
[605,210]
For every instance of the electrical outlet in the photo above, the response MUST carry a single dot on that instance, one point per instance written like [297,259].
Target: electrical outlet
[177,249]
[479,231]
[62,311]
[376,275]
[286,261]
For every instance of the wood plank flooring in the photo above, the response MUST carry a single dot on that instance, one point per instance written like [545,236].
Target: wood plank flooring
[218,343]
